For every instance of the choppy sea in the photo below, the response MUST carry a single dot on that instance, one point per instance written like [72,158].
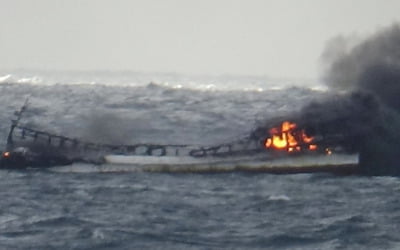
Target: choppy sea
[85,207]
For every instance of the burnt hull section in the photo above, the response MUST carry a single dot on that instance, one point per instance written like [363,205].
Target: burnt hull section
[24,158]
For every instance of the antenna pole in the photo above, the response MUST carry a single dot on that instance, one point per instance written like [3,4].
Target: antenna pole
[14,123]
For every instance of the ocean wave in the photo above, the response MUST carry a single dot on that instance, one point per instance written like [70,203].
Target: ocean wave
[166,80]
[152,113]
[11,79]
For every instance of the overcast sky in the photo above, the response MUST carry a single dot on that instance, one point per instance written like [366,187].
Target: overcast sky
[282,38]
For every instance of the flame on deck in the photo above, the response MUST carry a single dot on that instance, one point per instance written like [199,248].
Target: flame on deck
[290,138]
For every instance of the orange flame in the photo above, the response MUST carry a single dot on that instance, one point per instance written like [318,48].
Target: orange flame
[289,138]
[312,147]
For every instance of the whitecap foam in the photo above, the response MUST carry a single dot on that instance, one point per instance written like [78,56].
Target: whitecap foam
[6,79]
[136,79]
[280,197]
[15,79]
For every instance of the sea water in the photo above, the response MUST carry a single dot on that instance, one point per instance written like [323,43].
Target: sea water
[87,206]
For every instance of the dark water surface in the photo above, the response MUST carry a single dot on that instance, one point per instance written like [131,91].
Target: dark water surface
[61,210]
[54,209]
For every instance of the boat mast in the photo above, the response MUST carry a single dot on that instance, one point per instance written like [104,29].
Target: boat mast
[14,123]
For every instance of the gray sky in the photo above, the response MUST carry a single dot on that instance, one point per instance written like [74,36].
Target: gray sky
[282,38]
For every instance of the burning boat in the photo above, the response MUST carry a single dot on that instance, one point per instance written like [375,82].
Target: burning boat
[285,148]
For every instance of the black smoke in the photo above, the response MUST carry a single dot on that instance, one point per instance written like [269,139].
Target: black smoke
[360,123]
[372,65]
[369,114]
[362,113]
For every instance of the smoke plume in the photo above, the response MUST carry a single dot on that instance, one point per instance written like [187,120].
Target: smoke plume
[362,114]
[369,116]
[373,65]
[105,127]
